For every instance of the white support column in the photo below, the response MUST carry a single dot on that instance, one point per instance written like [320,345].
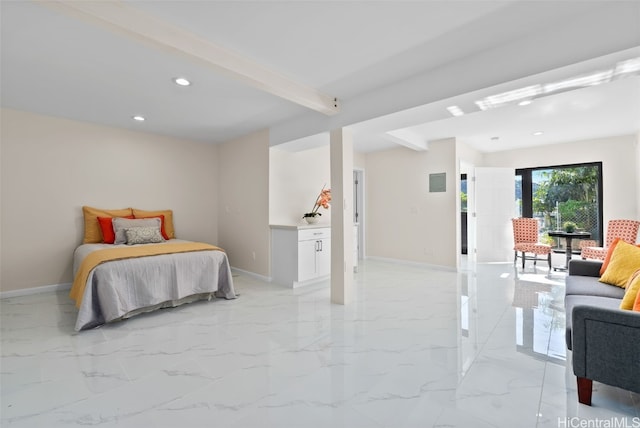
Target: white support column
[341,216]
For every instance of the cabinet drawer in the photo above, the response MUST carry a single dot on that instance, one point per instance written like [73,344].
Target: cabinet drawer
[321,233]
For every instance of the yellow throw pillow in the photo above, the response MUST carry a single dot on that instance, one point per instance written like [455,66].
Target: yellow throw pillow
[625,260]
[92,232]
[168,219]
[633,286]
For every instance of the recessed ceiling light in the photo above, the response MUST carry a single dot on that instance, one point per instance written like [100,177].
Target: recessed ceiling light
[525,102]
[498,100]
[455,111]
[181,81]
[628,66]
[538,133]
[592,79]
[138,118]
[522,95]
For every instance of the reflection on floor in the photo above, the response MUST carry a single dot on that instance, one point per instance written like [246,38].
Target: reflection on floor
[419,347]
[539,303]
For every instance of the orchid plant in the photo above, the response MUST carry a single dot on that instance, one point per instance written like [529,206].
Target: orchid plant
[322,200]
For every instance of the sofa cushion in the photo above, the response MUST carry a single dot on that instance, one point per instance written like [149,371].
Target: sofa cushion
[574,300]
[590,286]
[585,267]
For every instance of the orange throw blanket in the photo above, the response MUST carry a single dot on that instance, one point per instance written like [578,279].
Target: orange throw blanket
[110,254]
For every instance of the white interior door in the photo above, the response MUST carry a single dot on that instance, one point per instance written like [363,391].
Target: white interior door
[494,209]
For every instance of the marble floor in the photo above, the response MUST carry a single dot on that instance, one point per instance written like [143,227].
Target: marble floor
[419,347]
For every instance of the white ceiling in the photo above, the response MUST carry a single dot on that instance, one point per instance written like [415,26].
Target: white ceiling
[592,112]
[55,63]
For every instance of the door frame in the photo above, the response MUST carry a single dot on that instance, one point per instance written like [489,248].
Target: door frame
[359,208]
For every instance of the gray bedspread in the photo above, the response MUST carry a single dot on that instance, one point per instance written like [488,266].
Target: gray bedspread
[123,288]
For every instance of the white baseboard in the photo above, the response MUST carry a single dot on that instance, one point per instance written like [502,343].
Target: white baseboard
[252,274]
[412,263]
[298,284]
[35,290]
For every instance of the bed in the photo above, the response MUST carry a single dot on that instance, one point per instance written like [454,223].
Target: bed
[115,281]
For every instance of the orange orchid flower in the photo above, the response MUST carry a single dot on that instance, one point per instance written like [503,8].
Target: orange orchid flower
[322,200]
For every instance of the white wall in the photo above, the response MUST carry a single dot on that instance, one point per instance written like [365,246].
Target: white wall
[243,202]
[296,179]
[359,160]
[467,155]
[404,220]
[620,163]
[228,194]
[51,167]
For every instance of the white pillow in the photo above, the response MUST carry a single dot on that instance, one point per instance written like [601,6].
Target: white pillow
[120,224]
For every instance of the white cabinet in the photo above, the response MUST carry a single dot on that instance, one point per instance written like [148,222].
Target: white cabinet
[300,254]
[314,253]
[307,263]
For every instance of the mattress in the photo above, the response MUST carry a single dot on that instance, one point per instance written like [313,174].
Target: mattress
[119,289]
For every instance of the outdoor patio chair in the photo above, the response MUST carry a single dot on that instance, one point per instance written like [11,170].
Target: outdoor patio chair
[627,230]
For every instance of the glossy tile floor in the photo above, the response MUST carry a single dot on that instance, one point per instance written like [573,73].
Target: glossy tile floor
[419,347]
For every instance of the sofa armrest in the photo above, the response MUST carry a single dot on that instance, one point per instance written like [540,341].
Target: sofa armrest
[606,345]
[585,267]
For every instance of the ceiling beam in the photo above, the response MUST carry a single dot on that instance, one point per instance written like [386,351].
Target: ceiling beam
[120,18]
[408,139]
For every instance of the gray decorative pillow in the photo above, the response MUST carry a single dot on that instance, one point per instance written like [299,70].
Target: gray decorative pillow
[143,235]
[120,224]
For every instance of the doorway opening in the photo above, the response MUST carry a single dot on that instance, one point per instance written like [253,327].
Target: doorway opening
[463,215]
[358,211]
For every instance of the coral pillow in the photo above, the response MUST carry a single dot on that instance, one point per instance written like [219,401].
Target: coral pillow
[168,220]
[631,295]
[106,226]
[163,231]
[636,305]
[625,260]
[607,258]
[92,227]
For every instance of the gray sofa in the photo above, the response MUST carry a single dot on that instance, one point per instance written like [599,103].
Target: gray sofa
[605,340]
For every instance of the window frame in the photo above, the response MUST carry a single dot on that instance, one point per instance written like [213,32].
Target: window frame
[527,190]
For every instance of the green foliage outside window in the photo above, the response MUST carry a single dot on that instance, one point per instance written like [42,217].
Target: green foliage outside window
[573,191]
